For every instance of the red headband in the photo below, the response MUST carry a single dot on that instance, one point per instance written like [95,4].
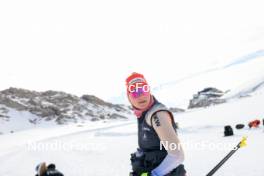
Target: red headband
[135,79]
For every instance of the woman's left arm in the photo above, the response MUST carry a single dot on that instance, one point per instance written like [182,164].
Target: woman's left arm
[162,123]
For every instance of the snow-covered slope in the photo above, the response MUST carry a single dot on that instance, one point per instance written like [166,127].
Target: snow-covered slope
[105,150]
[19,120]
[253,87]
[228,76]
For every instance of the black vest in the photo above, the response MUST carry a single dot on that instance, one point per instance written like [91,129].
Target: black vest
[148,140]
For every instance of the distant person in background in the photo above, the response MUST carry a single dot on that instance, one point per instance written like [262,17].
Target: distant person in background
[156,126]
[50,170]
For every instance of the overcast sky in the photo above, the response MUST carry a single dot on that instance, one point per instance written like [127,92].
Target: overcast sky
[90,47]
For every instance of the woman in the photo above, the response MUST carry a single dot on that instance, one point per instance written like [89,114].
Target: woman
[156,133]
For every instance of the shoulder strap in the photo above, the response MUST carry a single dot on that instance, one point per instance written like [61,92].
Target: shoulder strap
[153,111]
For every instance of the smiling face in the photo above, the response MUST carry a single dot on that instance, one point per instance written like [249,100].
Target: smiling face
[140,102]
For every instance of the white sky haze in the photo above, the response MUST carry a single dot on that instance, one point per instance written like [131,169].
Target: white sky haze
[90,47]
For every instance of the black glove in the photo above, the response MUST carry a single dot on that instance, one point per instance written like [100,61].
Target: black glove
[137,162]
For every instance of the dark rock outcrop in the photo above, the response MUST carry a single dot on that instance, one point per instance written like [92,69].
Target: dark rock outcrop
[207,97]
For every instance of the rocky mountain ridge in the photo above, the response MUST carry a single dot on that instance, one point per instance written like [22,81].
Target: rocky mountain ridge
[59,106]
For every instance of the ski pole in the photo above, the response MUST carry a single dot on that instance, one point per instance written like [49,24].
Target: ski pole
[242,143]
